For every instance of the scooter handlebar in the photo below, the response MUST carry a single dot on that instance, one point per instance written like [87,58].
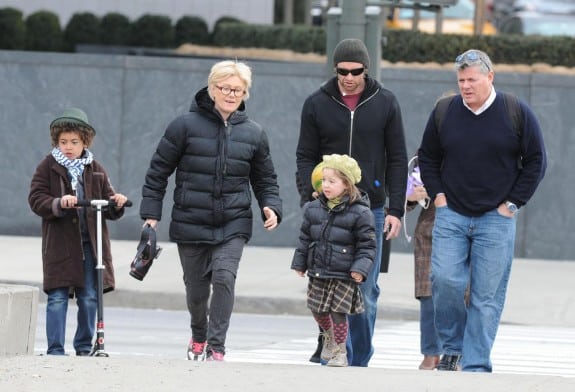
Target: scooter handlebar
[103,203]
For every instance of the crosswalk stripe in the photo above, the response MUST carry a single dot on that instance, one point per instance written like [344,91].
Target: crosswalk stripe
[517,350]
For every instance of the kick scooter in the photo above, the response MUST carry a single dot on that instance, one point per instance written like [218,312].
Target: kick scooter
[98,349]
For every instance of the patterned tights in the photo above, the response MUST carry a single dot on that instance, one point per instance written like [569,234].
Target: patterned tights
[337,320]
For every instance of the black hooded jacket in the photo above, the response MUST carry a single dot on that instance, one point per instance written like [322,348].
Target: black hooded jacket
[215,162]
[373,134]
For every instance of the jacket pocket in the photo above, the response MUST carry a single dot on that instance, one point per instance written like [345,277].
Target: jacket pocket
[341,258]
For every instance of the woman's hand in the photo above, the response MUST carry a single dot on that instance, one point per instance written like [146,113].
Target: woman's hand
[152,222]
[419,193]
[271,221]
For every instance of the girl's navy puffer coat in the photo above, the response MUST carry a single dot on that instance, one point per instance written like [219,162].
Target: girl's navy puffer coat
[335,242]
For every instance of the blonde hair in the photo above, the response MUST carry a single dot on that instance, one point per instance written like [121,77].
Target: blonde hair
[228,68]
[350,188]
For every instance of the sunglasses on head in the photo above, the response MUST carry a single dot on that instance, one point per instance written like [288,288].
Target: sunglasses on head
[354,72]
[471,57]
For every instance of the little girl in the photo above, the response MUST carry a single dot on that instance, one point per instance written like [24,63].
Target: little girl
[70,173]
[336,248]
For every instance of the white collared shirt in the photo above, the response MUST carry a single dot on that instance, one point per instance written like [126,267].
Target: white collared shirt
[485,105]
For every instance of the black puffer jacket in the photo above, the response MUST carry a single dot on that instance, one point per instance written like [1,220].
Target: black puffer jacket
[372,134]
[333,243]
[215,163]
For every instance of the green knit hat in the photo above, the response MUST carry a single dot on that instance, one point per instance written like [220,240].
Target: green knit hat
[73,116]
[345,164]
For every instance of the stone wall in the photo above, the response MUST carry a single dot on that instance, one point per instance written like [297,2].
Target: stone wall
[131,99]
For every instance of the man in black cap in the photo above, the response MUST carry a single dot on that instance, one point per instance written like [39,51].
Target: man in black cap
[354,114]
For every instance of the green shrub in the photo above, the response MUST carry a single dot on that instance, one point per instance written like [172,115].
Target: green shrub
[83,28]
[191,29]
[43,31]
[154,31]
[12,29]
[226,20]
[115,29]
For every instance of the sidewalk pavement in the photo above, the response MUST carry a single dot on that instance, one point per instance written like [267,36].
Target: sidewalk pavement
[540,293]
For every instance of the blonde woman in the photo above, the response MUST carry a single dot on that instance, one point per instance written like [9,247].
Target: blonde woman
[217,153]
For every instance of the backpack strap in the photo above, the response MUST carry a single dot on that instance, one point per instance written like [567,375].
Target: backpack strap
[515,113]
[440,109]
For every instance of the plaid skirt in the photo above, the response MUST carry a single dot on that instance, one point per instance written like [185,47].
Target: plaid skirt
[334,295]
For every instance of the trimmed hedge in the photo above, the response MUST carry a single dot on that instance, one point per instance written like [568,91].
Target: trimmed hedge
[191,29]
[155,31]
[83,28]
[12,29]
[41,31]
[115,29]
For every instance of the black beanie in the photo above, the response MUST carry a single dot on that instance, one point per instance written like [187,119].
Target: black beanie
[351,50]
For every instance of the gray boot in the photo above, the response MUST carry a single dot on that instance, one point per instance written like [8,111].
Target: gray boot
[340,356]
[329,345]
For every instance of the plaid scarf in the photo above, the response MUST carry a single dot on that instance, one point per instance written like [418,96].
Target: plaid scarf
[75,166]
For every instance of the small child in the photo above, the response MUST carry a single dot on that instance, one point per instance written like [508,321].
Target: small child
[68,174]
[337,249]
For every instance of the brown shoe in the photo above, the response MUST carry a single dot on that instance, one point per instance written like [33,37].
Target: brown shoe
[429,362]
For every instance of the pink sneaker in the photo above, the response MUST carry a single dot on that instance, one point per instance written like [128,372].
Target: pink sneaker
[212,355]
[196,350]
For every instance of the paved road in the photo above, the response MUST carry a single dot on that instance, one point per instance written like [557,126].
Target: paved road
[283,339]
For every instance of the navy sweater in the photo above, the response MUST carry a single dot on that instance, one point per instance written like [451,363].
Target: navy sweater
[473,159]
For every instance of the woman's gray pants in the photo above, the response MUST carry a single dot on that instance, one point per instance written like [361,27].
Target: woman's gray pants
[215,266]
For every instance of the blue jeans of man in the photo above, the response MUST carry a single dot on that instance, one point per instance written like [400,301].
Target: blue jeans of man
[478,250]
[361,326]
[214,266]
[428,339]
[57,308]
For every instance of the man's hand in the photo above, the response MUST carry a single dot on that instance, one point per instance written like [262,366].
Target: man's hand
[391,227]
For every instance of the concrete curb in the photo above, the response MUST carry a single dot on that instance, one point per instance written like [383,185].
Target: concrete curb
[18,314]
[243,304]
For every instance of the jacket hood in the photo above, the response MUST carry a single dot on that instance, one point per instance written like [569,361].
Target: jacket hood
[330,87]
[203,103]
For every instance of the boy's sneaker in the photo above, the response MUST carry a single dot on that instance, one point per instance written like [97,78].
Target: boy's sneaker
[212,355]
[196,350]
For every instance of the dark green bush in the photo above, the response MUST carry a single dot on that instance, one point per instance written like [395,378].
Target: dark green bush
[43,32]
[153,31]
[226,20]
[114,29]
[191,29]
[12,29]
[83,28]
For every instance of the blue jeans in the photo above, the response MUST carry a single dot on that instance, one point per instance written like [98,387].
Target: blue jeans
[57,308]
[428,340]
[478,250]
[361,326]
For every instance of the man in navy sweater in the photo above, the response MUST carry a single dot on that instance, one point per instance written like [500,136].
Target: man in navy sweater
[479,170]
